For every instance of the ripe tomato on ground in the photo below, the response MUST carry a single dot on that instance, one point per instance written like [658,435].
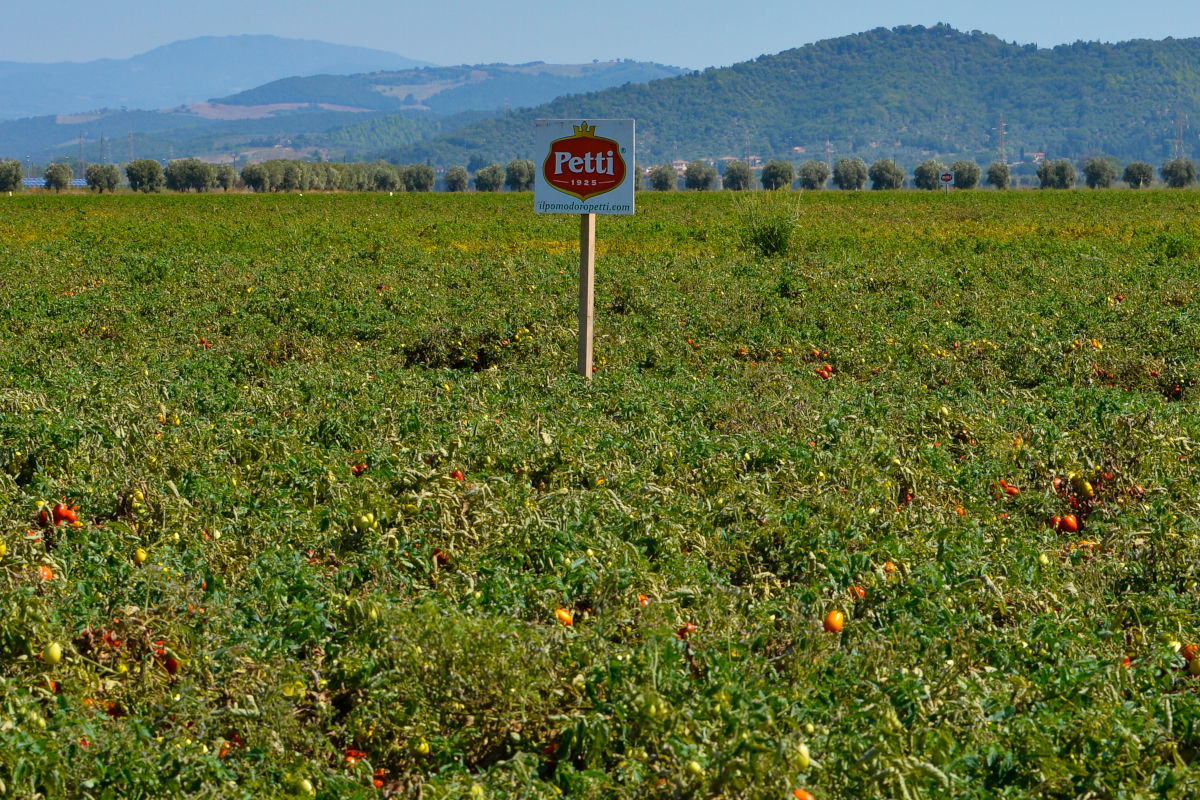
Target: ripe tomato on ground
[834,621]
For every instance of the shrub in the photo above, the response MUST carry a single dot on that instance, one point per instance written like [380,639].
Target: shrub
[102,176]
[1179,173]
[490,178]
[738,176]
[886,174]
[58,176]
[519,175]
[998,175]
[11,175]
[1099,172]
[966,174]
[1058,174]
[850,173]
[699,176]
[457,179]
[1138,174]
[767,222]
[664,178]
[144,174]
[778,174]
[813,175]
[927,174]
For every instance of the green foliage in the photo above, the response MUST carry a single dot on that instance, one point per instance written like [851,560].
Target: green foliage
[490,178]
[998,175]
[1058,174]
[383,133]
[419,177]
[926,175]
[767,222]
[699,176]
[189,174]
[778,175]
[11,175]
[738,176]
[144,175]
[58,176]
[966,174]
[456,179]
[226,177]
[103,176]
[1138,174]
[520,173]
[664,178]
[1179,173]
[885,173]
[850,173]
[813,175]
[1099,173]
[357,540]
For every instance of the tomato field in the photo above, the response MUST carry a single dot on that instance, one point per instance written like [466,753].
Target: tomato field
[300,496]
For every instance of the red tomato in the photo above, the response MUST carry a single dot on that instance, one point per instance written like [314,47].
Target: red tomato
[1069,524]
[1055,522]
[441,558]
[61,514]
[834,621]
[1189,652]
[889,566]
[858,590]
[564,616]
[800,794]
[643,600]
[172,666]
[47,573]
[457,475]
[687,628]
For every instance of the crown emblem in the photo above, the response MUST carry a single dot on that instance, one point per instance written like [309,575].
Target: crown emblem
[585,130]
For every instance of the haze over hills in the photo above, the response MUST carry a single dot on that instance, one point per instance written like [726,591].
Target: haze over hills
[908,93]
[178,73]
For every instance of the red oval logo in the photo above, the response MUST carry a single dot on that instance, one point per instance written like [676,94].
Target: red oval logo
[584,165]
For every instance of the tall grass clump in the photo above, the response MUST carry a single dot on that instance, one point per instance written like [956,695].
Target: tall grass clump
[767,222]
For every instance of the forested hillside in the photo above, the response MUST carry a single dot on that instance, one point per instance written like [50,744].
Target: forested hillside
[904,93]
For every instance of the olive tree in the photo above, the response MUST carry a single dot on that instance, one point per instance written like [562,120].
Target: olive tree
[886,174]
[11,175]
[187,174]
[102,176]
[664,178]
[998,175]
[778,174]
[519,175]
[813,175]
[927,175]
[489,178]
[738,176]
[419,177]
[226,177]
[850,173]
[457,179]
[1138,174]
[145,175]
[1099,173]
[58,176]
[1058,174]
[966,174]
[699,176]
[1179,173]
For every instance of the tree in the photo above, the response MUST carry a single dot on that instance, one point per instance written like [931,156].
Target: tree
[778,174]
[226,177]
[699,176]
[1058,174]
[966,174]
[927,174]
[187,174]
[886,174]
[58,176]
[850,174]
[1099,173]
[1179,173]
[457,179]
[255,176]
[518,175]
[102,176]
[11,175]
[997,175]
[813,175]
[636,177]
[1138,174]
[490,178]
[419,178]
[663,178]
[145,175]
[386,178]
[738,176]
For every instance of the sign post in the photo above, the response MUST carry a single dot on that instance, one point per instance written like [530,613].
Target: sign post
[947,179]
[586,169]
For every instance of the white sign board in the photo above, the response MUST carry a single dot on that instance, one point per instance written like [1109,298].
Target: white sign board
[584,166]
[947,178]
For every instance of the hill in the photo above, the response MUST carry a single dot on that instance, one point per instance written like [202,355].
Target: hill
[178,73]
[909,93]
[453,90]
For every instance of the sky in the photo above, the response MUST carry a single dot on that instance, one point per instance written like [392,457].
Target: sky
[686,33]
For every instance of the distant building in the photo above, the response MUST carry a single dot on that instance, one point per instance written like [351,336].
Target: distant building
[798,149]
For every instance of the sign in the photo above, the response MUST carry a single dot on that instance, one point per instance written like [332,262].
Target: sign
[947,178]
[584,166]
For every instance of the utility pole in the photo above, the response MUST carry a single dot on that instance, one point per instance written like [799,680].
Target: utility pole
[828,154]
[747,144]
[82,165]
[131,145]
[506,105]
[1001,154]
[103,160]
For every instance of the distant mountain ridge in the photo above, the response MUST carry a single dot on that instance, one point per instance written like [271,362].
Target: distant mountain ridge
[179,73]
[908,93]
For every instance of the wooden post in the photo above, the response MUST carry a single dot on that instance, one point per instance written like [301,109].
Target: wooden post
[587,290]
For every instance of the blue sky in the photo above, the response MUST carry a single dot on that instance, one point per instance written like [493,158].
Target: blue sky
[689,33]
